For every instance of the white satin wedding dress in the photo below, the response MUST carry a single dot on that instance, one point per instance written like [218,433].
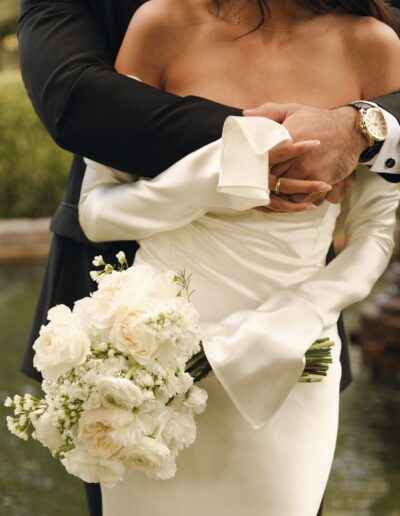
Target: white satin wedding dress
[265,443]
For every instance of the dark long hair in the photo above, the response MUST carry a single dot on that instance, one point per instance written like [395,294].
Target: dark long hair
[379,9]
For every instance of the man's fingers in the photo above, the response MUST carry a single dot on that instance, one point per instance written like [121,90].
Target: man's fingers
[298,186]
[277,112]
[280,205]
[291,151]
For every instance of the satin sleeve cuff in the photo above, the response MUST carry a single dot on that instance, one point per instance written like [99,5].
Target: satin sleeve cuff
[258,356]
[245,145]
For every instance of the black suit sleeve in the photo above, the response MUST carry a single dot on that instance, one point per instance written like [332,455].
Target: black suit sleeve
[390,103]
[91,110]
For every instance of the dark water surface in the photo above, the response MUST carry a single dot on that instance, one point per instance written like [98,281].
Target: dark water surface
[365,479]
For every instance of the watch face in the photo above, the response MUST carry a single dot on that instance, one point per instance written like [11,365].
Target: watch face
[375,124]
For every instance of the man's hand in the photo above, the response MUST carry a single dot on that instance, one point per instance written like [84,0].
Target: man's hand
[341,142]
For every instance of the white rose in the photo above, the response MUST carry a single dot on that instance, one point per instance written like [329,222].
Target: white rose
[196,399]
[91,468]
[45,432]
[95,429]
[118,392]
[61,345]
[132,336]
[146,455]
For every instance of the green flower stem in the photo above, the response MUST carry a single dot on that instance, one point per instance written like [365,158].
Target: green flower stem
[318,357]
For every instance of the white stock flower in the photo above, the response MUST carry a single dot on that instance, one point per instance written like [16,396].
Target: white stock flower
[95,275]
[121,257]
[45,431]
[61,344]
[98,261]
[96,426]
[93,468]
[118,392]
[132,336]
[113,366]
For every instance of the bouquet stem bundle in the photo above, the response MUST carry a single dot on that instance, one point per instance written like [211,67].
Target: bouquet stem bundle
[318,357]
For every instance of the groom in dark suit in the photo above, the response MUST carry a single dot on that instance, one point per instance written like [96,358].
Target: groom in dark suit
[67,52]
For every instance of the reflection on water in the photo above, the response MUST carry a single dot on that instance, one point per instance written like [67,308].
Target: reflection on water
[365,479]
[31,482]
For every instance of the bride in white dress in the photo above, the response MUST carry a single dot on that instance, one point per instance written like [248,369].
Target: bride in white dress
[265,443]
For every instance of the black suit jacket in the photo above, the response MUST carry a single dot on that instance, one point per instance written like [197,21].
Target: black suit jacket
[67,50]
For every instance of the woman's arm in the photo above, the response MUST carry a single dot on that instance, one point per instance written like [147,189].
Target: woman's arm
[251,351]
[115,207]
[91,110]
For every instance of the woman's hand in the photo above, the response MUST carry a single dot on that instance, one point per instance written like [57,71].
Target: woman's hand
[284,156]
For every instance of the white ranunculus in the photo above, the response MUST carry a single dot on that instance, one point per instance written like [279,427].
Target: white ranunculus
[165,288]
[146,455]
[165,471]
[117,292]
[61,344]
[132,336]
[196,400]
[83,312]
[92,468]
[179,431]
[45,432]
[118,392]
[95,429]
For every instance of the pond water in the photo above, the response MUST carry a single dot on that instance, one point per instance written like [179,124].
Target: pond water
[365,479]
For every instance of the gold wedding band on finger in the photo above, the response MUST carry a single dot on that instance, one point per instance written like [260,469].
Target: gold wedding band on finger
[278,187]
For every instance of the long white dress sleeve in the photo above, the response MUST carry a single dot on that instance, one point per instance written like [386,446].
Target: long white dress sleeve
[229,173]
[251,350]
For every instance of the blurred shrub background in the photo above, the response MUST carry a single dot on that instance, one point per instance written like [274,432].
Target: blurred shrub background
[33,170]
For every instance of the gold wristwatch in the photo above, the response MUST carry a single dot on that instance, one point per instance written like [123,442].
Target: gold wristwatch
[372,124]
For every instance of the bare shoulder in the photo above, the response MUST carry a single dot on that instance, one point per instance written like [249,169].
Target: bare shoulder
[166,17]
[156,31]
[374,48]
[158,14]
[371,35]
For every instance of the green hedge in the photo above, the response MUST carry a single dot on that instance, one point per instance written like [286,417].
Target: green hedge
[33,170]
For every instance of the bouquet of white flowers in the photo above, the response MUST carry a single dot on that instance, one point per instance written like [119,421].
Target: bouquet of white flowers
[117,393]
[118,376]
